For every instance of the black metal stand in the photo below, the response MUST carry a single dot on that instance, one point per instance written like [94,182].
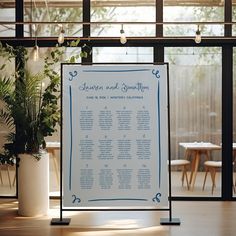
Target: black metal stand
[167,221]
[58,221]
[163,221]
[170,220]
[61,220]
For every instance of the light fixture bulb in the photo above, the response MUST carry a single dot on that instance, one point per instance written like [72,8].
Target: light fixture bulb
[198,37]
[61,36]
[123,38]
[35,53]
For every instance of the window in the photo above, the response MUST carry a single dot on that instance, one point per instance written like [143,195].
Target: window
[123,11]
[193,11]
[7,172]
[37,67]
[195,110]
[124,54]
[7,13]
[234,17]
[53,11]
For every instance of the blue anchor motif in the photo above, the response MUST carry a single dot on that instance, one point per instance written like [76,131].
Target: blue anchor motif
[73,75]
[157,198]
[156,73]
[76,199]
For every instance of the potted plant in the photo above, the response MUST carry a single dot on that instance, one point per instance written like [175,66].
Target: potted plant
[31,112]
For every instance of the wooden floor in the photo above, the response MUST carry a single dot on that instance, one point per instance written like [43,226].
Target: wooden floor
[197,219]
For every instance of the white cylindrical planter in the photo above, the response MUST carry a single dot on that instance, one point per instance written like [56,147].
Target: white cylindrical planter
[33,185]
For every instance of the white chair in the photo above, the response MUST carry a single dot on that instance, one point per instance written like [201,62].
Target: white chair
[184,165]
[212,167]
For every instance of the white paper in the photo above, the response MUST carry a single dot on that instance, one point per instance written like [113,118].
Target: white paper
[114,136]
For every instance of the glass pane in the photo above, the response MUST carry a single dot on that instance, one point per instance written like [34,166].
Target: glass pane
[234,10]
[123,11]
[7,13]
[53,11]
[195,116]
[123,54]
[193,11]
[7,170]
[234,17]
[54,140]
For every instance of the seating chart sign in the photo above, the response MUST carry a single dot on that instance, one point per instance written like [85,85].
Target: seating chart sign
[115,136]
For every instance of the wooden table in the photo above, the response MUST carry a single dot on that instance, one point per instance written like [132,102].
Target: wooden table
[196,150]
[52,147]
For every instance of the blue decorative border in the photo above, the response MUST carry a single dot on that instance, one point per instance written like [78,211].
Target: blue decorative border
[73,75]
[157,76]
[116,70]
[75,199]
[157,198]
[156,73]
[71,136]
[159,128]
[117,199]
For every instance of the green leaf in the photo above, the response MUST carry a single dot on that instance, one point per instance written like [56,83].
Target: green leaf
[75,43]
[53,54]
[72,59]
[3,66]
[83,54]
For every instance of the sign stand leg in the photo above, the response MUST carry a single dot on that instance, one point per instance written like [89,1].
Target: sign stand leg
[167,221]
[170,220]
[61,220]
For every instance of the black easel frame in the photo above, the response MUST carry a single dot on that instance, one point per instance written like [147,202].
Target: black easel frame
[163,221]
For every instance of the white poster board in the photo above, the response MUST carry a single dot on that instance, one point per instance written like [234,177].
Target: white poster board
[115,136]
